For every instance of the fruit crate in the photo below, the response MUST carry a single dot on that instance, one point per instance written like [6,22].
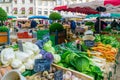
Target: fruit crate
[77,74]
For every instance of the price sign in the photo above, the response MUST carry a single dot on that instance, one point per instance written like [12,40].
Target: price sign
[89,43]
[20,45]
[42,65]
[58,75]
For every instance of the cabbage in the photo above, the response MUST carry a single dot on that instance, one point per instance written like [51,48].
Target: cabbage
[57,58]
[48,56]
[16,63]
[42,52]
[48,47]
[7,55]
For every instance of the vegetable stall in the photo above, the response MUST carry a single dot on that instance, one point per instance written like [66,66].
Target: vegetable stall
[66,61]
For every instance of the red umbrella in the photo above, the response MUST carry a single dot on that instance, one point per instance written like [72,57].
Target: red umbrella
[113,2]
[110,5]
[60,8]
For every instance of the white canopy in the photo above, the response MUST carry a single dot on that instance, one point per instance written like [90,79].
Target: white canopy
[71,16]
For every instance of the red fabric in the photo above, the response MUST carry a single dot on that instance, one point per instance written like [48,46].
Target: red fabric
[85,10]
[59,8]
[113,2]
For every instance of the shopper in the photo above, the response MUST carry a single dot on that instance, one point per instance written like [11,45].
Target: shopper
[114,24]
[33,24]
[73,26]
[118,25]
[99,25]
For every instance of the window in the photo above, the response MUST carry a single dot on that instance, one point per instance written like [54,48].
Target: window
[23,1]
[51,11]
[39,12]
[31,1]
[39,2]
[45,3]
[1,0]
[59,2]
[46,12]
[51,3]
[15,1]
[7,0]
[7,9]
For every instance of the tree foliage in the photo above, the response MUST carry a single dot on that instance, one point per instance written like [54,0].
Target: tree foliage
[3,15]
[56,26]
[55,16]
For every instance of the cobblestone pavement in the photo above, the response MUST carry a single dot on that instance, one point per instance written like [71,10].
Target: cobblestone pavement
[118,69]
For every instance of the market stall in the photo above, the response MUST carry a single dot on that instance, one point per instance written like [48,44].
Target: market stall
[78,59]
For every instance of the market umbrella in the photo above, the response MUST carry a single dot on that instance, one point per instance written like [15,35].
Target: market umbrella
[112,15]
[110,5]
[84,10]
[38,17]
[71,16]
[11,17]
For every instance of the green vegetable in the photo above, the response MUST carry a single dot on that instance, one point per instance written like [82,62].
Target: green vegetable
[4,29]
[57,58]
[97,38]
[48,47]
[61,64]
[80,63]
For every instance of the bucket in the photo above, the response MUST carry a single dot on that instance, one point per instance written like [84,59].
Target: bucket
[13,75]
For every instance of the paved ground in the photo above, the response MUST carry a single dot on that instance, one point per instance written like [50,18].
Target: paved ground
[118,70]
[117,77]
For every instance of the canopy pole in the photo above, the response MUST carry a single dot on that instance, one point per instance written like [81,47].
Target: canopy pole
[99,23]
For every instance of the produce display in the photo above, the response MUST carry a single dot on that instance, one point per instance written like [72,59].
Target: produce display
[20,60]
[79,61]
[90,61]
[22,35]
[50,75]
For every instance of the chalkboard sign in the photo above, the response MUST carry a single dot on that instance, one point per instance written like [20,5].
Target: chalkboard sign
[58,75]
[89,43]
[20,45]
[42,65]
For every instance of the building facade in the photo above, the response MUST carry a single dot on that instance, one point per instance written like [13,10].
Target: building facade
[6,5]
[45,7]
[25,8]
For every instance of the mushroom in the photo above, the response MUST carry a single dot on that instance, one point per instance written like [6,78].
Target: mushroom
[50,76]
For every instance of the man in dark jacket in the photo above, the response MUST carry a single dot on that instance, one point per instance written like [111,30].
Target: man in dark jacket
[33,24]
[73,26]
[99,25]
